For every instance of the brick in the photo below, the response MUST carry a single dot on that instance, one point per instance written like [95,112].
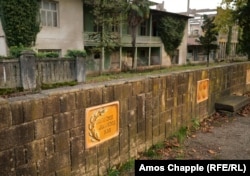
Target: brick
[33,109]
[43,127]
[67,102]
[61,141]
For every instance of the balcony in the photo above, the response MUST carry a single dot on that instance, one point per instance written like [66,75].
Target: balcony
[143,41]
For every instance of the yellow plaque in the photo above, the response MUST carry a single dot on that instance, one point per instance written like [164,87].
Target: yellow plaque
[248,77]
[202,90]
[101,124]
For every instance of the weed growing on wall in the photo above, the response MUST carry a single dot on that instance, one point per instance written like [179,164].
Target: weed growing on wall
[20,21]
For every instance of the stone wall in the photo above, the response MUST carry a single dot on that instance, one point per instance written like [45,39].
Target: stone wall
[44,134]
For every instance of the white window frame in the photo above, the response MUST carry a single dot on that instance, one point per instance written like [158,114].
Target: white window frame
[49,14]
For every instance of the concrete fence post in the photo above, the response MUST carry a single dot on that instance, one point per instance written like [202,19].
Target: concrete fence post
[28,70]
[80,69]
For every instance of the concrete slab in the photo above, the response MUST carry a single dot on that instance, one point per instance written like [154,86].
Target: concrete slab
[231,103]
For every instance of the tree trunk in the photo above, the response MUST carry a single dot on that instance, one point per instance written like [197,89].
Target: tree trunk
[208,58]
[133,35]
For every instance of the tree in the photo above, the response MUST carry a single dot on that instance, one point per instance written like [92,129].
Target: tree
[243,16]
[138,11]
[108,15]
[209,37]
[171,31]
[20,21]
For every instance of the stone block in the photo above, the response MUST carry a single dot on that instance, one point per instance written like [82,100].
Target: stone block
[77,153]
[64,171]
[137,88]
[49,146]
[53,163]
[7,162]
[82,99]
[5,114]
[95,96]
[51,105]
[62,142]
[28,169]
[33,109]
[43,127]
[17,112]
[63,122]
[77,132]
[108,94]
[67,102]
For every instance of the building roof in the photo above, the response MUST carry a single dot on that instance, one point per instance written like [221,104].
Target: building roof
[160,12]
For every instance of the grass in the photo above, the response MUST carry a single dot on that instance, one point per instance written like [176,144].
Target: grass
[146,72]
[123,169]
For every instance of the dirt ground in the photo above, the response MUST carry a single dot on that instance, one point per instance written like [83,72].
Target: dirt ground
[218,137]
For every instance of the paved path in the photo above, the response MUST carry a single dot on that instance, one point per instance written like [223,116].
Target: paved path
[231,140]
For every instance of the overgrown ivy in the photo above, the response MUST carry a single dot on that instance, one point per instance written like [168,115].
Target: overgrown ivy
[20,21]
[171,31]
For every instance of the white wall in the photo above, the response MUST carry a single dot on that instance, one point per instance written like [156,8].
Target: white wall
[3,46]
[69,34]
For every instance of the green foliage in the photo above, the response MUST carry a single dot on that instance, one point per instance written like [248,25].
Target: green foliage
[20,21]
[75,53]
[171,31]
[243,16]
[181,134]
[56,85]
[137,11]
[113,172]
[209,39]
[47,55]
[153,152]
[15,51]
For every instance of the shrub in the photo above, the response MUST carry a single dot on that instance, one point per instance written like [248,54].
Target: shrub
[76,53]
[47,55]
[15,51]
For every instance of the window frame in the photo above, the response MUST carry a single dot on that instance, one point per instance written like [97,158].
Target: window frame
[52,9]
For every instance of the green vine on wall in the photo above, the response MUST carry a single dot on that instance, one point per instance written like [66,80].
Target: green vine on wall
[20,21]
[171,31]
